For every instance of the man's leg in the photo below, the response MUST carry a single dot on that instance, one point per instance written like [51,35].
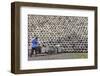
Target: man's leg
[31,52]
[36,50]
[39,50]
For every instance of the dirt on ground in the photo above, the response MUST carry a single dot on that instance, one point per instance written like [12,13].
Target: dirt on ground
[59,56]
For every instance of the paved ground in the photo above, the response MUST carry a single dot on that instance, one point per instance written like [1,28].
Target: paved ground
[60,56]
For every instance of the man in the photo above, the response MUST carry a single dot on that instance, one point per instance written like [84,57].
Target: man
[35,46]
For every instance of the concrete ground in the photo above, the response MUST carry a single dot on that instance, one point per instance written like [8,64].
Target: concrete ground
[60,56]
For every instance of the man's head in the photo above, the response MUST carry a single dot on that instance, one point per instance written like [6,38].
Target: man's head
[36,38]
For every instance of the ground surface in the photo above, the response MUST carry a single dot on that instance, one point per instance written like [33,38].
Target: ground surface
[60,56]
